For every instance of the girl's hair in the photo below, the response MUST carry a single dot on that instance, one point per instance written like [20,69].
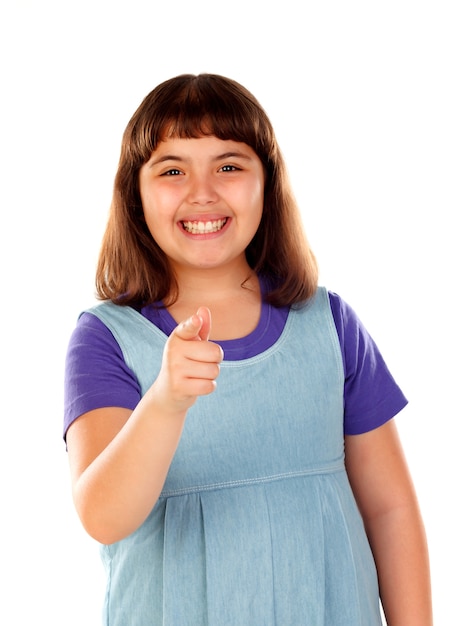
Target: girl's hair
[132,268]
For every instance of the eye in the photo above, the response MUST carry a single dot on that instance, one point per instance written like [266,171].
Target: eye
[229,168]
[172,172]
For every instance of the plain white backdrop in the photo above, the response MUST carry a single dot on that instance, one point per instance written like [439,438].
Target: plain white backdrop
[358,94]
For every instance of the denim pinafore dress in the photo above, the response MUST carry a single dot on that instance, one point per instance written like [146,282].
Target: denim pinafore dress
[256,524]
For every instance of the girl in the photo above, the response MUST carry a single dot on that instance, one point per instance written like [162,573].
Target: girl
[229,424]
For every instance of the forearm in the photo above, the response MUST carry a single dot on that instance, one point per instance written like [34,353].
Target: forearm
[399,546]
[118,489]
[119,460]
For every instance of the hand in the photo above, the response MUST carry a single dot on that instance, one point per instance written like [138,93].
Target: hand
[190,364]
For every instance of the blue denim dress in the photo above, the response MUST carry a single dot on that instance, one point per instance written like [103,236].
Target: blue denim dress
[256,524]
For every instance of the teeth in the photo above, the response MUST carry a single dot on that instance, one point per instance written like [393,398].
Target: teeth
[202,228]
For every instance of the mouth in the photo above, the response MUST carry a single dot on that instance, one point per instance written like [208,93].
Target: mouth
[197,227]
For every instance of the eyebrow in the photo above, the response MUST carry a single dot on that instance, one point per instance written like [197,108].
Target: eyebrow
[229,155]
[219,157]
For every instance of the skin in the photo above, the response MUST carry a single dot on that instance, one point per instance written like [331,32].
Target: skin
[201,181]
[386,497]
[119,459]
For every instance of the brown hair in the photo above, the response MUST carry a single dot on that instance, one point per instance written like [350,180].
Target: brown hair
[132,269]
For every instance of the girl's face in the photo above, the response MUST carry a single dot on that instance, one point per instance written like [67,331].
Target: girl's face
[202,200]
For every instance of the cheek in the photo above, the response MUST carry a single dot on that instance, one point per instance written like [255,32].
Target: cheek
[255,214]
[257,202]
[155,207]
[250,196]
[152,217]
[161,200]
[256,192]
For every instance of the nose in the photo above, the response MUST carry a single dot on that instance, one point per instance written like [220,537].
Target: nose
[202,190]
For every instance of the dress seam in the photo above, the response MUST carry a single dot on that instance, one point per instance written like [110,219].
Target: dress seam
[330,469]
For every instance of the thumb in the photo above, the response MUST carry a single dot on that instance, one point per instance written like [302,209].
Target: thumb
[195,327]
[204,314]
[189,329]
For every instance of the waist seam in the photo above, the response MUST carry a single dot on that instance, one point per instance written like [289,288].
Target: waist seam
[231,484]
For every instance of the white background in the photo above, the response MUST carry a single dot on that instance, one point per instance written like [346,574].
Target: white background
[358,93]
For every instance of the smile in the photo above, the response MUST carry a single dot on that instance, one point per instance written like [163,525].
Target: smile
[203,228]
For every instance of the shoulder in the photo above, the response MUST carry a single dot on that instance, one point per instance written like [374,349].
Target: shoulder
[372,395]
[103,323]
[351,331]
[91,339]
[96,374]
[344,315]
[90,328]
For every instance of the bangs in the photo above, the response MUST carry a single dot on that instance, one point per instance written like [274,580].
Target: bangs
[204,105]
[197,115]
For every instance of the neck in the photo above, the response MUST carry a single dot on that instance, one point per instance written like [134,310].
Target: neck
[233,299]
[215,284]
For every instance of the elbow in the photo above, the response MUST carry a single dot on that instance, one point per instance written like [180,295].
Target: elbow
[104,524]
[102,532]
[106,521]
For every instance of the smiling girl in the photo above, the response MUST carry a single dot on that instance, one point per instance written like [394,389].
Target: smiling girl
[229,423]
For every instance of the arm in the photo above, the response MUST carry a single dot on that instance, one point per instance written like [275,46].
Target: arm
[119,458]
[387,501]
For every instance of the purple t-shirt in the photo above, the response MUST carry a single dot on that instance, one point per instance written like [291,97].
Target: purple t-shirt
[97,375]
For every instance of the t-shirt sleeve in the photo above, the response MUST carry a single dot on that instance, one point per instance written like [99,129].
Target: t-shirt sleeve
[96,374]
[372,396]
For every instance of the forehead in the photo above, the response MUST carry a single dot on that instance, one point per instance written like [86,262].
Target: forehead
[208,146]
